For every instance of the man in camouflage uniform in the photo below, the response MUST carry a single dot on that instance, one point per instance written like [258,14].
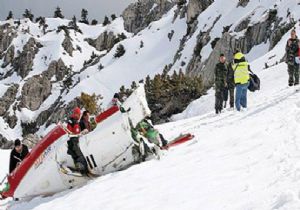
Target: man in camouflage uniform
[291,50]
[230,87]
[220,82]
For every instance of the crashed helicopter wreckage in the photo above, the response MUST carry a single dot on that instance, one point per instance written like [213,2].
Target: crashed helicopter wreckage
[110,147]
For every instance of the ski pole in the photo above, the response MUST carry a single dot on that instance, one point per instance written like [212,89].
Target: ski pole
[3,179]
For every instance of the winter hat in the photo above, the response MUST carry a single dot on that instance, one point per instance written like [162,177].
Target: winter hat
[17,142]
[239,56]
[76,112]
[116,95]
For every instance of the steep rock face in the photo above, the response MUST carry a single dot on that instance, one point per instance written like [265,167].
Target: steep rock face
[68,46]
[34,92]
[9,56]
[57,69]
[105,41]
[139,15]
[4,143]
[195,7]
[8,98]
[24,61]
[7,34]
[56,113]
[254,34]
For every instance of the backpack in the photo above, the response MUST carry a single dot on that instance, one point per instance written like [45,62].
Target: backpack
[254,82]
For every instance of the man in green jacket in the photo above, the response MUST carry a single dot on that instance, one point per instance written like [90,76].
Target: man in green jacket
[291,49]
[221,70]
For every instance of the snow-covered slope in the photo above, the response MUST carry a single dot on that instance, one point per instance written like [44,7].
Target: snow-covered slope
[166,41]
[238,160]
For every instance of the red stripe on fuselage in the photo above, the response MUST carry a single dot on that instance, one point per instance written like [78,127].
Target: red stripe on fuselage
[18,174]
[104,115]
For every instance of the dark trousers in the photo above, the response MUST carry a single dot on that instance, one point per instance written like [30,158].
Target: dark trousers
[219,100]
[293,71]
[77,155]
[231,96]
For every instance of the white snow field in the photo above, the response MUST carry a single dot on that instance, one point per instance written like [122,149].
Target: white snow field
[246,160]
[237,161]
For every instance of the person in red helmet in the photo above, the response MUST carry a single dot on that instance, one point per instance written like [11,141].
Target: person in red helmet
[73,143]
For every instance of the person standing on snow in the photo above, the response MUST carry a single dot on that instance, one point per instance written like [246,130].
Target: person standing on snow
[291,49]
[230,87]
[18,154]
[73,143]
[241,70]
[220,82]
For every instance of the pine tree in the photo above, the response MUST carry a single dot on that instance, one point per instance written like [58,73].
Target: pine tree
[113,17]
[10,16]
[73,24]
[180,3]
[157,86]
[120,51]
[148,82]
[165,72]
[94,22]
[28,14]
[133,85]
[106,21]
[89,102]
[58,13]
[84,18]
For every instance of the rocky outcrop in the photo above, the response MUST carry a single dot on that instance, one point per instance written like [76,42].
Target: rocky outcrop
[62,111]
[9,56]
[8,98]
[5,143]
[23,63]
[243,25]
[31,140]
[105,41]
[56,113]
[11,120]
[57,69]
[68,46]
[254,34]
[139,15]
[7,34]
[243,3]
[34,92]
[195,7]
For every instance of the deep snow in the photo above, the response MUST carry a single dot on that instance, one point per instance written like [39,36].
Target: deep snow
[238,160]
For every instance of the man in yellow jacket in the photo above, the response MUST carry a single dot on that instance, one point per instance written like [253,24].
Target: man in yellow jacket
[241,70]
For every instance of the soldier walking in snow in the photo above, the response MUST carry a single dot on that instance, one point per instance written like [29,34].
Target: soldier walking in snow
[230,87]
[220,82]
[291,49]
